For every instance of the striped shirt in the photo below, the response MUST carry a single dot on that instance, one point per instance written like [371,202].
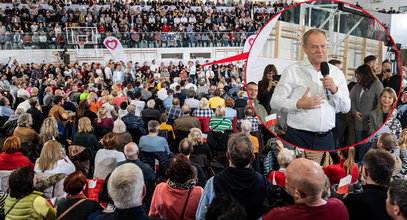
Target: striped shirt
[220,124]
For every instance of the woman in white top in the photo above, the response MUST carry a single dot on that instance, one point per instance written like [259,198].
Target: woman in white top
[53,160]
[107,158]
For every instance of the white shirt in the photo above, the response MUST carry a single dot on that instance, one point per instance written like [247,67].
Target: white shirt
[139,106]
[64,166]
[106,161]
[173,85]
[118,76]
[162,94]
[210,74]
[193,103]
[294,81]
[192,70]
[153,67]
[108,73]
[191,85]
[24,105]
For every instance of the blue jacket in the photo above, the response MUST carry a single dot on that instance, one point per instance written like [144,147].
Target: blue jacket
[133,121]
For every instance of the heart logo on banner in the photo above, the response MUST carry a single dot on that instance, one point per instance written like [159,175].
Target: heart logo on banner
[251,40]
[111,44]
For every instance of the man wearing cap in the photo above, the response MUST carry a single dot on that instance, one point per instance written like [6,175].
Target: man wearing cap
[311,99]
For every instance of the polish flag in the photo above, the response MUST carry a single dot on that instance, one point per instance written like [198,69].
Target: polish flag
[344,185]
[271,120]
[157,165]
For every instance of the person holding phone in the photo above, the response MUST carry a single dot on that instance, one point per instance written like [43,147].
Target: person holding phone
[267,85]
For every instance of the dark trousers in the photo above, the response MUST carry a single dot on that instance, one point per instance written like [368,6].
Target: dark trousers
[309,141]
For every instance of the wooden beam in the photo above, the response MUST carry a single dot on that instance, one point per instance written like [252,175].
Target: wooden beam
[345,56]
[277,40]
[364,46]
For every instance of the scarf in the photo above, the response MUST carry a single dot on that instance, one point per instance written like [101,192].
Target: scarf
[183,186]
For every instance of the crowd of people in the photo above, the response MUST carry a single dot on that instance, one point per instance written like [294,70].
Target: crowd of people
[174,141]
[159,24]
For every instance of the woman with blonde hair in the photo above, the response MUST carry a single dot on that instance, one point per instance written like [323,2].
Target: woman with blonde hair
[94,105]
[107,158]
[203,110]
[219,122]
[49,131]
[109,99]
[85,137]
[103,120]
[200,147]
[384,107]
[403,150]
[53,160]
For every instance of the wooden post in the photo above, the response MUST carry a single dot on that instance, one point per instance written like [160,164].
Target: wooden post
[380,57]
[345,57]
[300,48]
[277,41]
[364,46]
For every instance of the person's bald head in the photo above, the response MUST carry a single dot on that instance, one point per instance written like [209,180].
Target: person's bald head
[305,179]
[131,151]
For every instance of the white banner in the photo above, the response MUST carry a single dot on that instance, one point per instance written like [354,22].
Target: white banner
[115,48]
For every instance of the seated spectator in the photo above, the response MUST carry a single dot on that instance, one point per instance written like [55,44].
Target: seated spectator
[37,116]
[138,103]
[132,121]
[107,158]
[396,199]
[403,150]
[199,146]
[215,101]
[152,142]
[5,108]
[305,180]
[53,160]
[388,142]
[167,102]
[23,200]
[131,151]
[191,100]
[126,188]
[238,180]
[83,110]
[231,113]
[174,111]
[23,130]
[225,207]
[219,122]
[346,166]
[108,104]
[284,158]
[165,126]
[76,205]
[123,136]
[102,120]
[11,123]
[11,158]
[186,122]
[378,166]
[49,131]
[186,148]
[203,110]
[249,115]
[93,103]
[150,112]
[84,137]
[246,127]
[178,198]
[240,102]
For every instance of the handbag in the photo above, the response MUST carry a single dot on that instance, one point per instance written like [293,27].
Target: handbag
[185,205]
[70,208]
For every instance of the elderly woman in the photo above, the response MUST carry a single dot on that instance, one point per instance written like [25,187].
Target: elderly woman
[203,110]
[178,198]
[85,137]
[246,127]
[73,186]
[284,157]
[124,137]
[107,158]
[23,201]
[23,130]
[53,160]
[11,158]
[200,147]
[49,131]
[219,122]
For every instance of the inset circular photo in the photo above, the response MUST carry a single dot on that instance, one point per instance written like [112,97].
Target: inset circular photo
[324,75]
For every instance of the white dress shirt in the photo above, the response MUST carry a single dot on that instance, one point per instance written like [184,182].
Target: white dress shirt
[108,73]
[294,81]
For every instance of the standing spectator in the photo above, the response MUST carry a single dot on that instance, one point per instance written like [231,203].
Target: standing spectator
[37,116]
[59,113]
[267,86]
[385,106]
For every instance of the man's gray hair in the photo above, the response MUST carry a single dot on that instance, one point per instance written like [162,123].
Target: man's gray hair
[125,186]
[153,126]
[131,109]
[240,149]
[131,149]
[24,120]
[312,31]
[151,103]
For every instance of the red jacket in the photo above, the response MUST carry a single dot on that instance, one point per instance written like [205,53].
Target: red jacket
[14,161]
[337,172]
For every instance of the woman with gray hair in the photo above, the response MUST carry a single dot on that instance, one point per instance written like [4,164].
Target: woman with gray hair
[23,130]
[203,110]
[124,137]
[246,128]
